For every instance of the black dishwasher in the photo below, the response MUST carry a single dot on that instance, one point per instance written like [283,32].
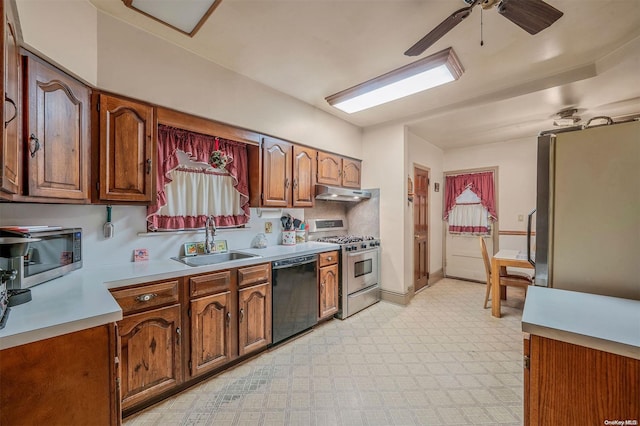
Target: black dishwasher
[295,295]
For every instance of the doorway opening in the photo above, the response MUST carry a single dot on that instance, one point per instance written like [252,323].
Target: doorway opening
[470,212]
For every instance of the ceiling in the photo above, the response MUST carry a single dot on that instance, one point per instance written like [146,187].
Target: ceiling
[512,86]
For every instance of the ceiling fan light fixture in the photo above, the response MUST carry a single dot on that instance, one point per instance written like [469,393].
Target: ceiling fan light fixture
[185,16]
[567,118]
[435,70]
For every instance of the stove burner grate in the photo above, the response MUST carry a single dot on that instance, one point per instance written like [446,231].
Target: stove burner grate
[345,239]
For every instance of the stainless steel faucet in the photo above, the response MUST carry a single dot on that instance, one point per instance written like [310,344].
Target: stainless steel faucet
[209,233]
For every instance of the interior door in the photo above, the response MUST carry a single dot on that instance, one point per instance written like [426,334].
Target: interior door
[421,228]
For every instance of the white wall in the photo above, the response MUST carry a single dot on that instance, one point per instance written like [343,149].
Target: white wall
[422,153]
[66,31]
[516,161]
[128,222]
[384,154]
[140,65]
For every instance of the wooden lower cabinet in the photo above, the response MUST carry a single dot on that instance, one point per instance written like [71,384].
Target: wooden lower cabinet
[254,318]
[568,384]
[65,380]
[211,340]
[227,315]
[328,284]
[150,354]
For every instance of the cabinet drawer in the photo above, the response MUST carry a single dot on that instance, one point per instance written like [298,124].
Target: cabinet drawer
[328,258]
[147,296]
[210,283]
[254,274]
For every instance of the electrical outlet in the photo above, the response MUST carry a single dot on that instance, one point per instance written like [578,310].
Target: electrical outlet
[268,227]
[520,218]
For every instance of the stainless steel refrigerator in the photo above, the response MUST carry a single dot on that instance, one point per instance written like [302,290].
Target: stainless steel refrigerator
[588,210]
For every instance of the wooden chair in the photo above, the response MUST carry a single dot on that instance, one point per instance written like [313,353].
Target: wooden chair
[513,279]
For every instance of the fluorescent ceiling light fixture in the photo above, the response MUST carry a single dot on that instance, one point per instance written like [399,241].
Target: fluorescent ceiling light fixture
[435,70]
[186,16]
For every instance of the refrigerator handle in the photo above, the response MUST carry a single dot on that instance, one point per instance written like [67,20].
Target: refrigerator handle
[529,220]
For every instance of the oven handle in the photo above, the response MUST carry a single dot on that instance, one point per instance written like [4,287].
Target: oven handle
[356,253]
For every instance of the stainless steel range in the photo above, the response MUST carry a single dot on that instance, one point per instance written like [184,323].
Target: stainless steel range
[359,264]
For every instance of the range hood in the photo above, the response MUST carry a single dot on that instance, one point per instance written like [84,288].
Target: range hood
[334,193]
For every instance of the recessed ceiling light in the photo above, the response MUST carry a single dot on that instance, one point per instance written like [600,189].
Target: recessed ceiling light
[435,70]
[186,16]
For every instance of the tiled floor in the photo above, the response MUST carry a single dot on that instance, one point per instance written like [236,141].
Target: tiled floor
[442,360]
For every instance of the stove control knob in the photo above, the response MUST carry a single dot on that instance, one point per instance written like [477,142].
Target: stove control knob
[364,246]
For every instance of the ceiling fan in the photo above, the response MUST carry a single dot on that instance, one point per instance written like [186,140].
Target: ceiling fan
[532,16]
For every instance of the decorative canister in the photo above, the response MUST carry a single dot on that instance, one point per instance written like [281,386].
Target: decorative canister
[300,236]
[288,238]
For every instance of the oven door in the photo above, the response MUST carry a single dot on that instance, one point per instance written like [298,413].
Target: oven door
[361,270]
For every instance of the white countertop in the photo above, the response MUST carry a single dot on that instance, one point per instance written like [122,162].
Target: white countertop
[82,300]
[604,323]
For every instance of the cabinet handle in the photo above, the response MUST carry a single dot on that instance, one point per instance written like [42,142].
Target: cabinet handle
[36,145]
[179,334]
[15,110]
[148,165]
[322,283]
[286,183]
[241,314]
[228,318]
[295,183]
[329,258]
[146,297]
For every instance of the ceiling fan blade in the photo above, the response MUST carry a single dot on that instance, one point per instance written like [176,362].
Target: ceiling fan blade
[532,16]
[436,34]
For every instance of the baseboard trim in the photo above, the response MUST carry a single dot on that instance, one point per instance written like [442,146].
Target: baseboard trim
[436,276]
[397,298]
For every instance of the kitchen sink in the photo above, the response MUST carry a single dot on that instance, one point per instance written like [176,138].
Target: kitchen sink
[214,258]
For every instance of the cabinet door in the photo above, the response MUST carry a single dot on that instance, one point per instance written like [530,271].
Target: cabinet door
[64,380]
[304,175]
[328,285]
[329,169]
[211,318]
[10,157]
[254,318]
[276,179]
[57,133]
[351,173]
[126,150]
[150,347]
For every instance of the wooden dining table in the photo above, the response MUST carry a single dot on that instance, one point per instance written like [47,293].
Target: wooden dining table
[499,263]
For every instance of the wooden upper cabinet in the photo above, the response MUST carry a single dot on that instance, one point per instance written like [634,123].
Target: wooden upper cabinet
[304,174]
[336,170]
[329,169]
[57,133]
[351,173]
[276,179]
[10,156]
[127,150]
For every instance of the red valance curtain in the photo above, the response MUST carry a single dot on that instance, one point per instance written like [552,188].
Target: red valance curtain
[480,183]
[199,148]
